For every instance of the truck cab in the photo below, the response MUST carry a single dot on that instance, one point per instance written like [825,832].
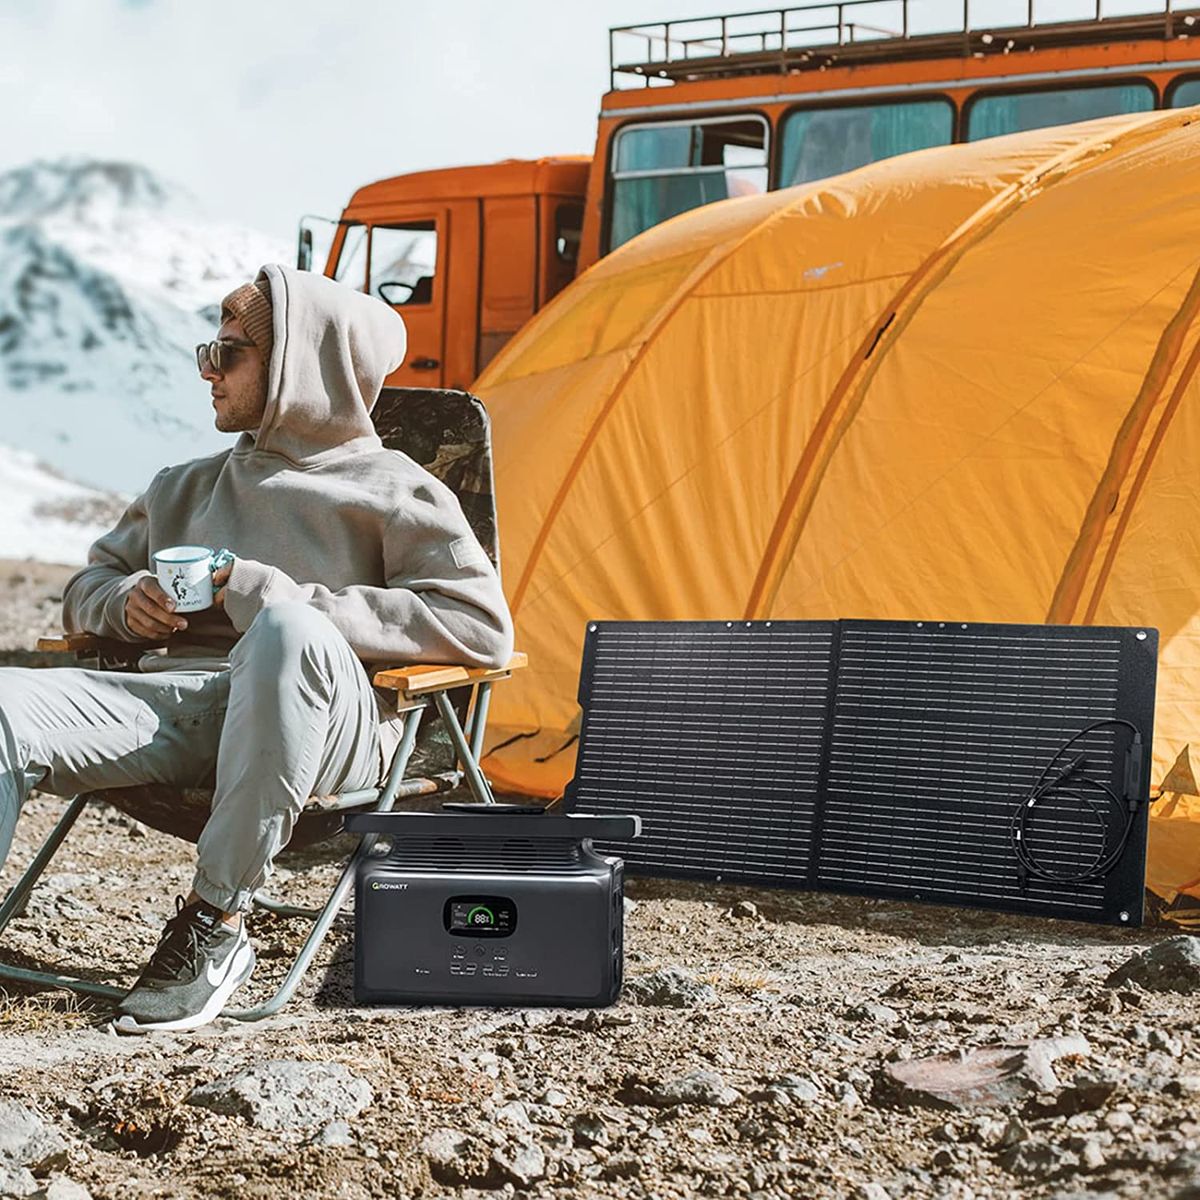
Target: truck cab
[711,108]
[466,255]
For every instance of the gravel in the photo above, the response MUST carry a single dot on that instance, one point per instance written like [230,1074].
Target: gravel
[743,1060]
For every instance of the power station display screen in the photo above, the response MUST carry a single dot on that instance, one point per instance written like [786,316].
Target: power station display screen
[480,916]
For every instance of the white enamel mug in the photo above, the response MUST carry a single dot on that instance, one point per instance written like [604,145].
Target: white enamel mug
[185,574]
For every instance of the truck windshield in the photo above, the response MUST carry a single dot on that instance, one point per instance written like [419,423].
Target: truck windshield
[817,143]
[990,116]
[665,169]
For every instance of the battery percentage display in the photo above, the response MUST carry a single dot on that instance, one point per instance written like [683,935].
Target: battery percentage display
[481,916]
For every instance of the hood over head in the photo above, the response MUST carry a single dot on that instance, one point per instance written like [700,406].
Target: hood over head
[333,348]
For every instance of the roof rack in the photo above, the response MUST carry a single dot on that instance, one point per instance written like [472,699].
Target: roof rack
[848,32]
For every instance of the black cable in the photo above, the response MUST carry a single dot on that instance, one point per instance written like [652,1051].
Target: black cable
[1104,860]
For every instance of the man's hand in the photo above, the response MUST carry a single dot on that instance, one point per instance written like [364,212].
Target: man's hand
[150,612]
[220,579]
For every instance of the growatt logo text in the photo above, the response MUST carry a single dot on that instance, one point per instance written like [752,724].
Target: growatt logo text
[377,885]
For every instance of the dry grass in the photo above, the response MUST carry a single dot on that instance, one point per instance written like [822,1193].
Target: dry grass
[43,1012]
[747,982]
[306,1047]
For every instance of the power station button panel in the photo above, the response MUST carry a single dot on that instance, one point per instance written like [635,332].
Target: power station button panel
[480,916]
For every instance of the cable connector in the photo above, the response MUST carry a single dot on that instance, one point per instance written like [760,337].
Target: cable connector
[1076,764]
[1133,771]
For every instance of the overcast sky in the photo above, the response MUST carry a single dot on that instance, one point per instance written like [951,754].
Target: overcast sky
[267,109]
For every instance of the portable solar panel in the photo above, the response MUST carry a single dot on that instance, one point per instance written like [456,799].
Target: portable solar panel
[1002,766]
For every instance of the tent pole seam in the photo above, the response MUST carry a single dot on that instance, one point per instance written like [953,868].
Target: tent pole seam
[1080,560]
[849,393]
[1186,375]
[791,382]
[693,279]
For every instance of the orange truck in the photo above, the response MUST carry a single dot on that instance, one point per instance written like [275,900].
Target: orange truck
[710,108]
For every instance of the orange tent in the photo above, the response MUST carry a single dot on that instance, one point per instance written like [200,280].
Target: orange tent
[959,384]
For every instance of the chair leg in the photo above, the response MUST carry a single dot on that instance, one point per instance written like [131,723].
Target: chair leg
[480,788]
[82,987]
[479,719]
[316,935]
[341,890]
[16,898]
[283,910]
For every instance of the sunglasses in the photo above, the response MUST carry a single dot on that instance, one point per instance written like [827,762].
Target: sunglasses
[220,354]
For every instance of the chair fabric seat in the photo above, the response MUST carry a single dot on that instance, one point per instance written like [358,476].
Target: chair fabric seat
[182,812]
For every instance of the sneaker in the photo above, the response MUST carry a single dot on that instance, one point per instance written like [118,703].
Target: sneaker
[197,965]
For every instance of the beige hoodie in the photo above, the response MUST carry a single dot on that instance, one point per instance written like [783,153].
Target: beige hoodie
[314,508]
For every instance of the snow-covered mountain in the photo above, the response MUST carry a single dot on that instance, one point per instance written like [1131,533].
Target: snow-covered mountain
[48,518]
[108,278]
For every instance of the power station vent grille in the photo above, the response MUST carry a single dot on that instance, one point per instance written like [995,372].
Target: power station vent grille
[482,854]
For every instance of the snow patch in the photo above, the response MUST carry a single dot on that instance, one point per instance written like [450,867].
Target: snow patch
[46,517]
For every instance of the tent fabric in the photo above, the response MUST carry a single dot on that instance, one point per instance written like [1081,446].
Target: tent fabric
[957,384]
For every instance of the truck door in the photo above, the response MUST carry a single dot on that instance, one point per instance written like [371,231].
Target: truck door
[510,271]
[406,268]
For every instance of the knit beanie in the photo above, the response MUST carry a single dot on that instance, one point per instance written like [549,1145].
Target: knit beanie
[251,305]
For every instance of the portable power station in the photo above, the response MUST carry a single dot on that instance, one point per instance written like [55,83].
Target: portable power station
[489,904]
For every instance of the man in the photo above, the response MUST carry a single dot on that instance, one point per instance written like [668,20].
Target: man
[345,554]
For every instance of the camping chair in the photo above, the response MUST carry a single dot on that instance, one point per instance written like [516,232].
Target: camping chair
[445,707]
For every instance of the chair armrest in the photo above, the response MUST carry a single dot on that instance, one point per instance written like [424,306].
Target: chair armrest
[92,643]
[424,678]
[71,641]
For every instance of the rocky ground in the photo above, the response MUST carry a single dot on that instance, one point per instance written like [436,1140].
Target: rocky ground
[767,1044]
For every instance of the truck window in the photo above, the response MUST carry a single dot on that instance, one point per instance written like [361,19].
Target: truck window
[352,260]
[819,142]
[403,262]
[665,169]
[1184,93]
[990,116]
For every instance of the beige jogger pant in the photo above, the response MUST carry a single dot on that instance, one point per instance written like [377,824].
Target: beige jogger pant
[294,715]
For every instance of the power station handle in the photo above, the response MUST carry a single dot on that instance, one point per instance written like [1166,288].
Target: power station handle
[601,826]
[425,364]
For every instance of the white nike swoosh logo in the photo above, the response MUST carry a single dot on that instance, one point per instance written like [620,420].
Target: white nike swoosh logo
[219,976]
